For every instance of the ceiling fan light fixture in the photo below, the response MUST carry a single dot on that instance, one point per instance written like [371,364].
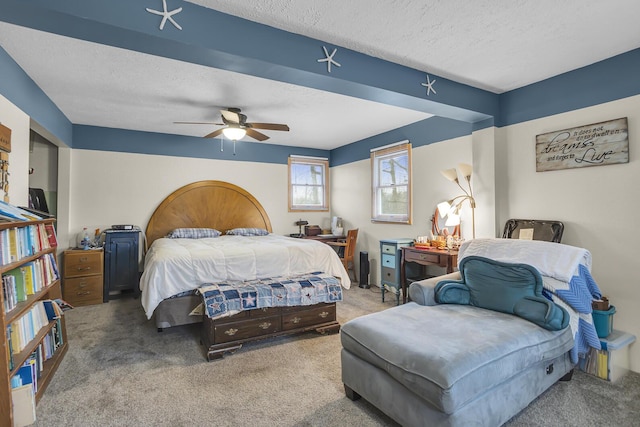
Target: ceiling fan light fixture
[234,133]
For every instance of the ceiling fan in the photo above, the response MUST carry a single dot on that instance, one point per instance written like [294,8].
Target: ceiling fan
[237,126]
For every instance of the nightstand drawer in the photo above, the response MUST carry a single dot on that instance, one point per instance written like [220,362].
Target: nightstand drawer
[389,249]
[83,290]
[82,263]
[389,275]
[388,261]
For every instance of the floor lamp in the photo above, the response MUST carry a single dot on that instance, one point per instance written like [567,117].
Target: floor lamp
[451,208]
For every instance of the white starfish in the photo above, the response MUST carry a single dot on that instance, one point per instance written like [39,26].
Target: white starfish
[166,15]
[429,85]
[329,58]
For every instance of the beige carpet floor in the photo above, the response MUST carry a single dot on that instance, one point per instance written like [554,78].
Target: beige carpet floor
[119,371]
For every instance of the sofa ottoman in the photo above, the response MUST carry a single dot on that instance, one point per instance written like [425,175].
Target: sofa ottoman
[450,364]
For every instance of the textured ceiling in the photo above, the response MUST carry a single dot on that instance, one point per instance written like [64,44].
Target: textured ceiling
[496,45]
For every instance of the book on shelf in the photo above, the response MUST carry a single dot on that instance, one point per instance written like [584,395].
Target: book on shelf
[8,210]
[51,235]
[24,406]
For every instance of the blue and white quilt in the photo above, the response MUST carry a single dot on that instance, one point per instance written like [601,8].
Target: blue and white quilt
[566,276]
[227,298]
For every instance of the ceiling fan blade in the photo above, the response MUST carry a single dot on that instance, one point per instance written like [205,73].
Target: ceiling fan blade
[198,123]
[214,133]
[256,135]
[268,126]
[230,116]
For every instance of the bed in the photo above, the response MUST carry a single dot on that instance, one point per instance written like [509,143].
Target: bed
[174,268]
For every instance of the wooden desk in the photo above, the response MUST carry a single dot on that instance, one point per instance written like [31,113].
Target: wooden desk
[428,256]
[327,238]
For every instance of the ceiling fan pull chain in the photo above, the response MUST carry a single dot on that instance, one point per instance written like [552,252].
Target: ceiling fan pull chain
[234,147]
[221,146]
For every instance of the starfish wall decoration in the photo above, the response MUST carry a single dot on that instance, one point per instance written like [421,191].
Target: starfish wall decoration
[429,85]
[166,15]
[329,58]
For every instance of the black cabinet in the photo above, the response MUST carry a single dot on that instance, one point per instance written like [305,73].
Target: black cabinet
[121,263]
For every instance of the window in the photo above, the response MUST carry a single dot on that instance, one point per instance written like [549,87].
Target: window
[391,183]
[308,184]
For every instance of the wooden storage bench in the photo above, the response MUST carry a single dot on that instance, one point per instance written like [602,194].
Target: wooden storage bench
[229,333]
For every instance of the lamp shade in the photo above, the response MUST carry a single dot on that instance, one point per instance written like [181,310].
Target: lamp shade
[234,133]
[452,220]
[450,174]
[465,169]
[444,208]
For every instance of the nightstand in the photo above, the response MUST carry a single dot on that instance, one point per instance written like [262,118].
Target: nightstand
[390,258]
[121,264]
[82,282]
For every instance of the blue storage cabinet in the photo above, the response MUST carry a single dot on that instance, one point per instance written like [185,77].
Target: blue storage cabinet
[121,264]
[390,258]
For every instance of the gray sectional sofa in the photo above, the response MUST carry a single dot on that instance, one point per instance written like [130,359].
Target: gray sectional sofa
[430,364]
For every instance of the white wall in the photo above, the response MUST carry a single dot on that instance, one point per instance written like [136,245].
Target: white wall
[598,205]
[123,188]
[351,197]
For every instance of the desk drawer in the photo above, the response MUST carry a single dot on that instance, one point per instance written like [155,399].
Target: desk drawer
[388,261]
[410,256]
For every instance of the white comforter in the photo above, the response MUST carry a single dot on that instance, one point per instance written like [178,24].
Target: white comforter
[178,265]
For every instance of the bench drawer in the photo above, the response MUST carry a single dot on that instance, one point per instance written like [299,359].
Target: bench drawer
[323,313]
[226,332]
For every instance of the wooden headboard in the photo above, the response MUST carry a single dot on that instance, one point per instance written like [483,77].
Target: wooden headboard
[207,204]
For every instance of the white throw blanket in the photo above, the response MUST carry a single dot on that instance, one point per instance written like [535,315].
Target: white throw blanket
[173,266]
[551,259]
[566,277]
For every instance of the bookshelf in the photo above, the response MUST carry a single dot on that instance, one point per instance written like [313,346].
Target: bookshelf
[31,250]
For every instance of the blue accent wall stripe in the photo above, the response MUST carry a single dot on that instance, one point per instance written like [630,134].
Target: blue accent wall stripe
[256,49]
[425,132]
[604,81]
[129,141]
[24,93]
[265,51]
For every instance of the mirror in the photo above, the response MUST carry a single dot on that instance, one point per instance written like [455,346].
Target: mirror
[437,225]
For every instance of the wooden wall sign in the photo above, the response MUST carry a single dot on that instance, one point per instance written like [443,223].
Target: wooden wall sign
[5,138]
[603,143]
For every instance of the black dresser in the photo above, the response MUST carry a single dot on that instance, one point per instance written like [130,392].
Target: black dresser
[121,264]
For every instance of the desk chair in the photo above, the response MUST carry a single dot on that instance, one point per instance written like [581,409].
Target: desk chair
[550,231]
[348,247]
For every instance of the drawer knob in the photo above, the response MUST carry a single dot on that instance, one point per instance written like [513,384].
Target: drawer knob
[84,259]
[83,293]
[296,320]
[264,325]
[323,314]
[231,332]
[83,268]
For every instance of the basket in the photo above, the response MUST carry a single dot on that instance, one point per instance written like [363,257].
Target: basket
[603,321]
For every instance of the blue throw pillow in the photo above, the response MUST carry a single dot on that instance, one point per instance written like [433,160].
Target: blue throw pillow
[505,287]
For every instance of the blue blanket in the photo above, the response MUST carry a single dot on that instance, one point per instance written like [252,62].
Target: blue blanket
[578,294]
[223,299]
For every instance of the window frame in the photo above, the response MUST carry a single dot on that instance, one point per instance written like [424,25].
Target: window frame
[311,161]
[394,150]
